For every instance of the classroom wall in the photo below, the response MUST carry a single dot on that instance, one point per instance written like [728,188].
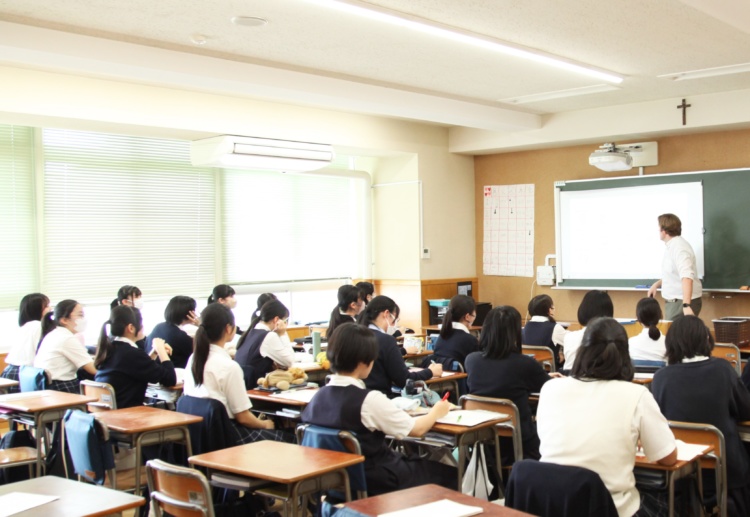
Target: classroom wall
[683,153]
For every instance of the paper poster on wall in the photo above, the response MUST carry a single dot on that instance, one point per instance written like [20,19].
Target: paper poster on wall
[509,230]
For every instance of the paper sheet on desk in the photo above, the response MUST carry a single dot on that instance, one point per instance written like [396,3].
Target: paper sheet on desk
[469,417]
[17,502]
[643,375]
[442,508]
[688,451]
[297,395]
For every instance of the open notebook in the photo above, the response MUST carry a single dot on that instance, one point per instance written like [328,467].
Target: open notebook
[442,508]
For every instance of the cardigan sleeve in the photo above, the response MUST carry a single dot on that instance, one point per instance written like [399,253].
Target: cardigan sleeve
[148,370]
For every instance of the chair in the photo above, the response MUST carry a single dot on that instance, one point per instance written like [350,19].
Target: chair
[730,352]
[17,457]
[178,491]
[542,355]
[32,379]
[646,366]
[103,391]
[510,429]
[551,490]
[707,434]
[90,448]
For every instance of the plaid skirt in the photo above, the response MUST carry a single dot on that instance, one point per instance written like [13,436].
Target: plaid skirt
[71,386]
[245,435]
[11,372]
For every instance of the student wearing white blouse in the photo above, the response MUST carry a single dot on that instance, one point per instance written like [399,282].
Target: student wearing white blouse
[595,304]
[60,353]
[26,340]
[650,344]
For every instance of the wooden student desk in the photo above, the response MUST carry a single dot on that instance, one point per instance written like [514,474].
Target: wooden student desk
[410,497]
[75,499]
[145,425]
[168,394]
[263,402]
[5,384]
[300,470]
[38,408]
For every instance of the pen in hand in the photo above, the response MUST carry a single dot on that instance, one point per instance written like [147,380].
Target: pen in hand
[445,397]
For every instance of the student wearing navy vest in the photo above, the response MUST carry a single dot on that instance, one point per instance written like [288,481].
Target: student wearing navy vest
[179,311]
[351,302]
[455,341]
[346,404]
[381,315]
[542,329]
[265,346]
[130,296]
[126,367]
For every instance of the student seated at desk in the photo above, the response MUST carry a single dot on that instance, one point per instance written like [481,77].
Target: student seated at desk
[211,373]
[179,311]
[126,367]
[542,329]
[351,303]
[345,403]
[455,341]
[381,315]
[130,296]
[265,346]
[649,345]
[595,418]
[500,370]
[595,304]
[26,340]
[696,387]
[60,352]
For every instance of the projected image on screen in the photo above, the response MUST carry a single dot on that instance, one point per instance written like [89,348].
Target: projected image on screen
[614,234]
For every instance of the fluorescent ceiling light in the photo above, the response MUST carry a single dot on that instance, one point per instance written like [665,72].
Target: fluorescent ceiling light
[559,94]
[708,72]
[469,39]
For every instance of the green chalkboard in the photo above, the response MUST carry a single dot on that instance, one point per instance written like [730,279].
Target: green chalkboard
[726,221]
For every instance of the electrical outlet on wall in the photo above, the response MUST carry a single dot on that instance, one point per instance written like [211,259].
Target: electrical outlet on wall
[545,275]
[425,253]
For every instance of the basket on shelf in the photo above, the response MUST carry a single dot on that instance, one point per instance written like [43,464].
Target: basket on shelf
[732,330]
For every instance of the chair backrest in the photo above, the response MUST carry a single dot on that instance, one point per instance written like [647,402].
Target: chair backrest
[706,434]
[178,491]
[32,379]
[647,366]
[104,392]
[90,448]
[214,432]
[542,354]
[510,428]
[730,352]
[548,489]
[336,440]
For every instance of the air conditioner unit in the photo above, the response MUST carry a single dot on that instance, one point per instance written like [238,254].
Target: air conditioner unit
[245,152]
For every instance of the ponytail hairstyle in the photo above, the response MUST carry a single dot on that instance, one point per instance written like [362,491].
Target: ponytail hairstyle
[373,309]
[648,312]
[262,300]
[62,310]
[541,305]
[269,311]
[214,320]
[32,308]
[221,291]
[347,295]
[119,318]
[460,306]
[603,354]
[125,292]
[368,291]
[501,333]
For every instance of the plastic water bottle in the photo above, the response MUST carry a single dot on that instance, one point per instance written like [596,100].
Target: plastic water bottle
[316,344]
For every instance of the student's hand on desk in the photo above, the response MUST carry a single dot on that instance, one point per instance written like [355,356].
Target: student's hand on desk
[441,409]
[436,369]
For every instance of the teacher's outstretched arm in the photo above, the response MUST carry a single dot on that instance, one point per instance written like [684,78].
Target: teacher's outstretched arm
[652,290]
[687,296]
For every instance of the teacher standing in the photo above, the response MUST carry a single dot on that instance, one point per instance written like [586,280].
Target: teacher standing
[681,287]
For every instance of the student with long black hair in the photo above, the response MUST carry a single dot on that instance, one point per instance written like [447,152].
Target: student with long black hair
[265,346]
[542,329]
[179,311]
[23,347]
[126,367]
[128,295]
[367,289]
[351,302]
[211,373]
[60,353]
[389,369]
[455,341]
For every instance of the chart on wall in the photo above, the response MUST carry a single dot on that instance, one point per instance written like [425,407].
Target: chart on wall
[509,230]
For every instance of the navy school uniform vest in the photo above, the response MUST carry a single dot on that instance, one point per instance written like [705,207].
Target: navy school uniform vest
[254,365]
[539,333]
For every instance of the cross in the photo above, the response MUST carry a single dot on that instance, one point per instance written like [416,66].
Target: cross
[684,108]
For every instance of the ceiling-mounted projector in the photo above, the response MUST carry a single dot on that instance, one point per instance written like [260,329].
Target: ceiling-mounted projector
[245,152]
[611,158]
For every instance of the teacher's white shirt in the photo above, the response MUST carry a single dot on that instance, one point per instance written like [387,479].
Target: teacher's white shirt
[678,263]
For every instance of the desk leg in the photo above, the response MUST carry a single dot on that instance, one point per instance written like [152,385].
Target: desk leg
[40,431]
[670,484]
[138,453]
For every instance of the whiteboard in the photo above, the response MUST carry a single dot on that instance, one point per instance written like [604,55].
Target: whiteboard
[613,233]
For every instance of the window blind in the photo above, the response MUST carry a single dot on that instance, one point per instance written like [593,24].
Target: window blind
[284,227]
[125,210]
[18,252]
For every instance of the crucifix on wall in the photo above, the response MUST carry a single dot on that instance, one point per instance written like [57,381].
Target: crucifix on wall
[684,108]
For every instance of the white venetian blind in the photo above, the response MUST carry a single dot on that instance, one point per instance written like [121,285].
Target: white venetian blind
[125,210]
[283,227]
[18,274]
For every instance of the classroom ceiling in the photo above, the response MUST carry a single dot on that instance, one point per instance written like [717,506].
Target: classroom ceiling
[637,39]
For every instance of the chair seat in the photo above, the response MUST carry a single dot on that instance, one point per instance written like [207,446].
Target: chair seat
[17,456]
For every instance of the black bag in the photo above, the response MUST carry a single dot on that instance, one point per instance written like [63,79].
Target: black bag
[12,439]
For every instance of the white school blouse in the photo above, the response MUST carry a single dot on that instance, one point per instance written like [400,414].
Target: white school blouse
[571,344]
[644,348]
[61,354]
[278,348]
[24,345]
